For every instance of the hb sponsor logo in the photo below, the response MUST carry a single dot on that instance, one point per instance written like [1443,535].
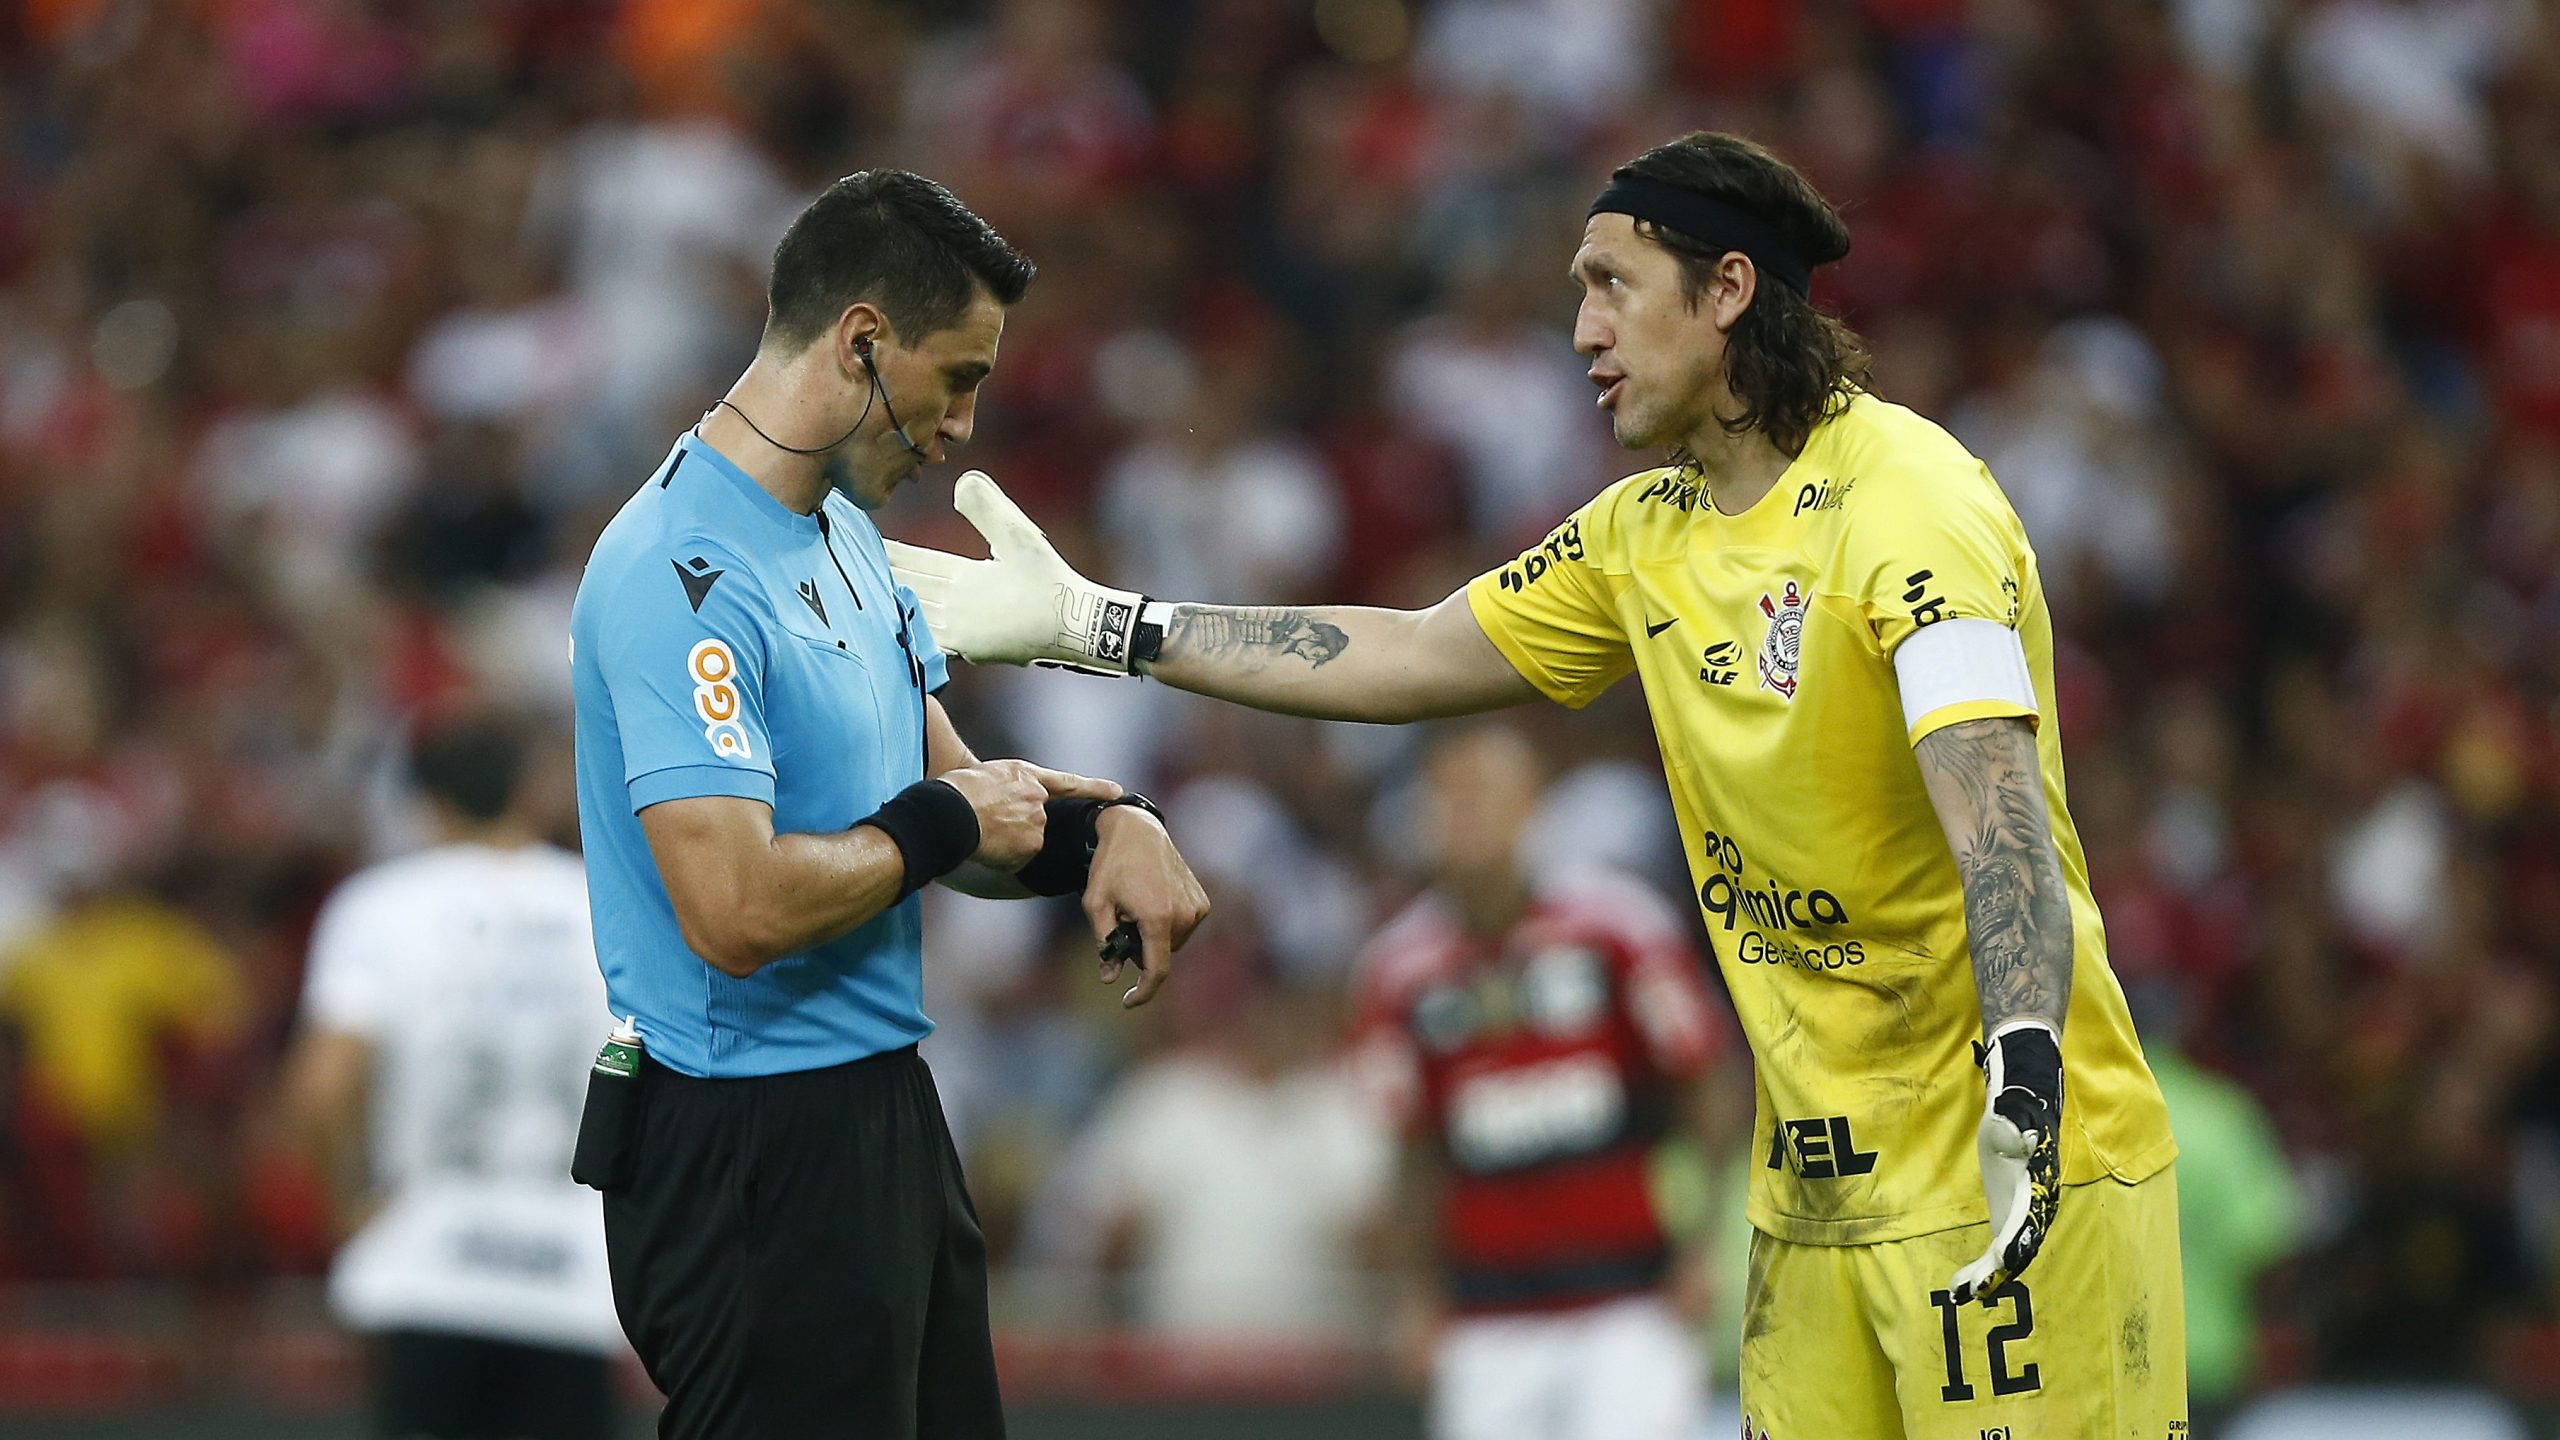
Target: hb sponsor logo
[715,699]
[1926,609]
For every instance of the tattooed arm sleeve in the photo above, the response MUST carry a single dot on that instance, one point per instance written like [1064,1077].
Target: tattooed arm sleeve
[1988,788]
[1340,662]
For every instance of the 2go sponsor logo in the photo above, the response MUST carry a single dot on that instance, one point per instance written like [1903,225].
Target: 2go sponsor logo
[716,700]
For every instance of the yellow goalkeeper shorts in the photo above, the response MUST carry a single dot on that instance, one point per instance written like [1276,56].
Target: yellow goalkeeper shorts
[1862,1342]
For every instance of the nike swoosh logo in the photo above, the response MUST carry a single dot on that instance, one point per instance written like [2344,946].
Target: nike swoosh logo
[1652,630]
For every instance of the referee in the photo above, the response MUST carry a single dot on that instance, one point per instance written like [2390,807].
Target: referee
[792,1250]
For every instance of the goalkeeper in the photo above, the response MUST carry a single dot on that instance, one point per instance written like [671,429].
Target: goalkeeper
[1963,1197]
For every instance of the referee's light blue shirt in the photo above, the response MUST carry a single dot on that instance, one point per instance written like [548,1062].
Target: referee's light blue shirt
[727,646]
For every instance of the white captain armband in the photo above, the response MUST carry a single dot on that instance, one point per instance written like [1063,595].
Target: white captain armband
[1963,664]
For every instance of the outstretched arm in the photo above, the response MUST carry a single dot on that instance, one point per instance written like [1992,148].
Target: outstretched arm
[1341,662]
[1025,605]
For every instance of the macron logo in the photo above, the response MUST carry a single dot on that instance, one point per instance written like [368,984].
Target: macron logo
[698,580]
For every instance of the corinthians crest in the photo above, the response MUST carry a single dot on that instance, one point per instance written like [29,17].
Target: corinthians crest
[1784,645]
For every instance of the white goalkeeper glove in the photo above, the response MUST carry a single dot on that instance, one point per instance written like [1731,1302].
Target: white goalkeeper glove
[1023,605]
[2020,1147]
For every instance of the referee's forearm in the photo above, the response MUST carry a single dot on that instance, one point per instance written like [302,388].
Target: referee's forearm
[803,891]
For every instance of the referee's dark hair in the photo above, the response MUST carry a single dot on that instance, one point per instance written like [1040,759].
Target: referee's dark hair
[1790,365]
[897,240]
[472,764]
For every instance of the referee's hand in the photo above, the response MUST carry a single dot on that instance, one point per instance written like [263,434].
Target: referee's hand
[1011,798]
[1138,878]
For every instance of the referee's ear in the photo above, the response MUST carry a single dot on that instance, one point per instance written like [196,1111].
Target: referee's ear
[859,333]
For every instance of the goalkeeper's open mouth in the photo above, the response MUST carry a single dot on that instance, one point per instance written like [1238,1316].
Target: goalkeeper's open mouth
[1610,382]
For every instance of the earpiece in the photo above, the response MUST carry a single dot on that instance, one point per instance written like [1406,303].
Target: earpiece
[862,352]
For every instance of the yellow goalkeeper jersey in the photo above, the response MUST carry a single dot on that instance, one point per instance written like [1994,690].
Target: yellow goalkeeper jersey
[1766,645]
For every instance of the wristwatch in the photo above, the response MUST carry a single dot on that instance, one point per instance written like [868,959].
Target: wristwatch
[1130,798]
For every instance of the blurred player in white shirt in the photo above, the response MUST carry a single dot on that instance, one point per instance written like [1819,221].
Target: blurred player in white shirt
[450,1012]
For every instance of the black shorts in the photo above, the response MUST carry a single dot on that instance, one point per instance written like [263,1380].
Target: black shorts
[796,1256]
[462,1387]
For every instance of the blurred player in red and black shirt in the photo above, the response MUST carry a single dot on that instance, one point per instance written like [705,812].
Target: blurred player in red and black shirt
[1537,1038]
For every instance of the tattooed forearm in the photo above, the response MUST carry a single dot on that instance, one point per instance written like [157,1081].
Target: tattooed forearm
[1252,636]
[1989,792]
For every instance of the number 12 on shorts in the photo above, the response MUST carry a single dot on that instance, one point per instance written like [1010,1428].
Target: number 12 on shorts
[1995,1343]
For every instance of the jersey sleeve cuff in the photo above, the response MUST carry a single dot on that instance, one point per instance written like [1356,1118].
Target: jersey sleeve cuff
[692,782]
[1494,624]
[1946,715]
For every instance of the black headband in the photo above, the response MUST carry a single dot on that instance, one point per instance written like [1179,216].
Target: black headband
[1709,221]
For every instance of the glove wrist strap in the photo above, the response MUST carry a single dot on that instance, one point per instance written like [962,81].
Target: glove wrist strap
[1098,630]
[1146,641]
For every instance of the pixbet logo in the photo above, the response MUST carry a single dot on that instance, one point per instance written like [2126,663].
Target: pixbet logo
[1823,496]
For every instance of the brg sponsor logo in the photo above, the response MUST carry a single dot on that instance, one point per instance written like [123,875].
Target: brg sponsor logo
[715,699]
[1562,544]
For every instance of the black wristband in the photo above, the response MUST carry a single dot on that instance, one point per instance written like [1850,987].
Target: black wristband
[934,828]
[1065,860]
[1066,849]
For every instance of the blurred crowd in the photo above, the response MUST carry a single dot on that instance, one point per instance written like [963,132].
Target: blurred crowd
[331,331]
